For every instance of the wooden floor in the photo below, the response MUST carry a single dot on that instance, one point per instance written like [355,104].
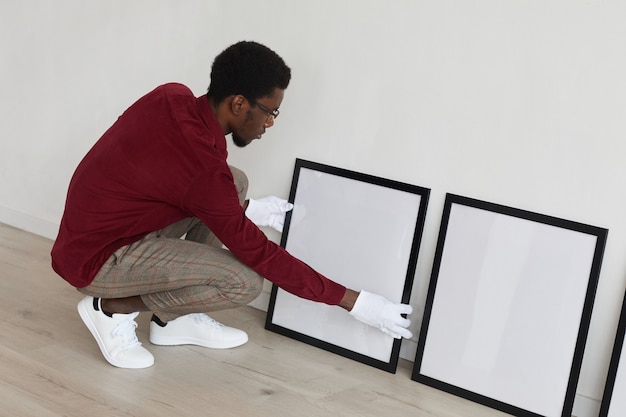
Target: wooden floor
[51,366]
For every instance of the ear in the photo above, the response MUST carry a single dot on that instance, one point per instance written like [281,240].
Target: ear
[237,104]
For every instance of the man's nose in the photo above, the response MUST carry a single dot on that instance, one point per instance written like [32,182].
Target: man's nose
[269,123]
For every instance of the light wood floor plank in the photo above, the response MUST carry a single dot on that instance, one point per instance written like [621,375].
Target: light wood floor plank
[51,366]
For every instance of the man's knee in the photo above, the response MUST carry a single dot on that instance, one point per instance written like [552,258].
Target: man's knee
[241,182]
[250,287]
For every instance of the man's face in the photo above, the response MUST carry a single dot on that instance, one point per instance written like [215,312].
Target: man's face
[256,117]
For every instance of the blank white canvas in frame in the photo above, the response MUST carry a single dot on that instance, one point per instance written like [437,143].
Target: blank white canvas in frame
[358,234]
[506,313]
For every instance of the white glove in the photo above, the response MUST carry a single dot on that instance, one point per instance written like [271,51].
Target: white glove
[268,211]
[377,311]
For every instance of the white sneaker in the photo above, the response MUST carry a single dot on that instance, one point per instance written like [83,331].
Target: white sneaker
[195,329]
[115,335]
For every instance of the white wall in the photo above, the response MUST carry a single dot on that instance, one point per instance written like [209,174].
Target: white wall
[520,103]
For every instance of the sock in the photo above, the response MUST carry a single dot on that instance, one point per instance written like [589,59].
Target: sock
[158,321]
[97,306]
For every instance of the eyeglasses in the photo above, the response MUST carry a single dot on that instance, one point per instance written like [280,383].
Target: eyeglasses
[271,114]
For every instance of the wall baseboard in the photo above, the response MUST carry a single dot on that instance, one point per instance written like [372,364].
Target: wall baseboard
[28,223]
[261,302]
[585,406]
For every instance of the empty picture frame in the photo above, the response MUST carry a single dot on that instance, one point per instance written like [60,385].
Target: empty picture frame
[614,398]
[508,307]
[361,231]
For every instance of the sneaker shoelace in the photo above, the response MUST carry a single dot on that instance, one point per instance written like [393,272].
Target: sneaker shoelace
[125,330]
[202,318]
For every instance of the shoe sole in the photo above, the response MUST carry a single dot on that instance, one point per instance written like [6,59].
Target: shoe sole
[84,315]
[177,341]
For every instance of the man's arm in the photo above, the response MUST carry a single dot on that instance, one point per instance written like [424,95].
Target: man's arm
[348,300]
[371,309]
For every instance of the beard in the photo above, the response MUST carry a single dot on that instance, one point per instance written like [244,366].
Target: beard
[239,141]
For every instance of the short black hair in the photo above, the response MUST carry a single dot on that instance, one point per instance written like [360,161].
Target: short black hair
[247,68]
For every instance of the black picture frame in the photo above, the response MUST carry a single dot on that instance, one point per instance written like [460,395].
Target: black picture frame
[508,307]
[615,405]
[362,231]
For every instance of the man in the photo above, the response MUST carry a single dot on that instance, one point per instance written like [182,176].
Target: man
[160,173]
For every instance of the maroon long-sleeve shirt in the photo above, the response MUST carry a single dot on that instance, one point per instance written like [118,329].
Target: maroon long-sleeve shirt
[164,160]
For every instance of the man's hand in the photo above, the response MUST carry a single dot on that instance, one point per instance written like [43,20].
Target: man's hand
[377,311]
[268,211]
